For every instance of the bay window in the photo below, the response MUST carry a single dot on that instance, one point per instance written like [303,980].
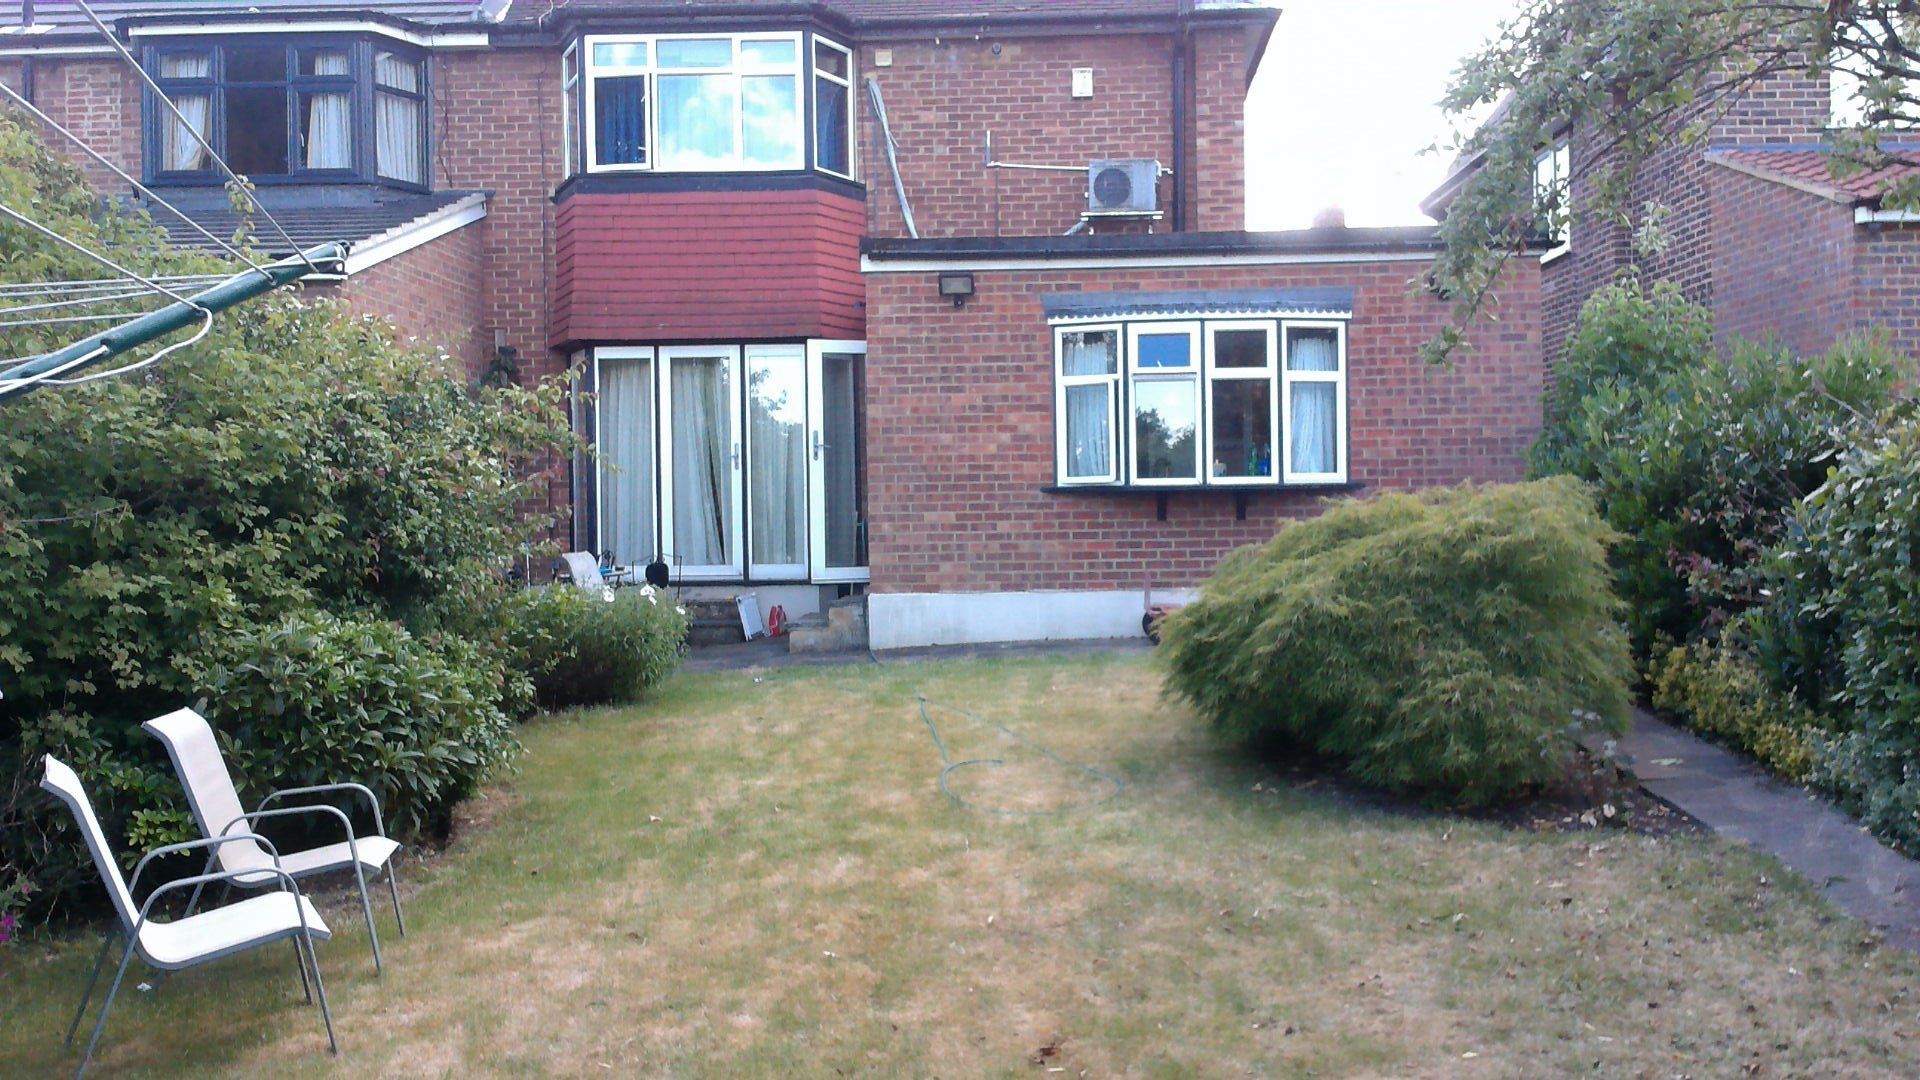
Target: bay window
[709,103]
[1231,402]
[329,109]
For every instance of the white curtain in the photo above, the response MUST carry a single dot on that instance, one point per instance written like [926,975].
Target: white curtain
[1315,404]
[182,152]
[777,471]
[329,118]
[1089,431]
[626,455]
[396,72]
[398,121]
[702,474]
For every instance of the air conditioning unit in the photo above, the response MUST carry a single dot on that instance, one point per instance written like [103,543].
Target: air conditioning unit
[1123,187]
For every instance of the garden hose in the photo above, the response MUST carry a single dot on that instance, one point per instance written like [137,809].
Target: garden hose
[950,766]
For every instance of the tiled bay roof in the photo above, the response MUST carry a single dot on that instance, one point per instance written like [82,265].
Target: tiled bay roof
[1810,169]
[355,219]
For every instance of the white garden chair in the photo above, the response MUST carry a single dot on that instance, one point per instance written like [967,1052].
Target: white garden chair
[193,939]
[216,808]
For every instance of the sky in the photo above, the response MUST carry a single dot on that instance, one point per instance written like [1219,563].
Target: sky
[1344,105]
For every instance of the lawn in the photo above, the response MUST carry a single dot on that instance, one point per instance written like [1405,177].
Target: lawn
[758,874]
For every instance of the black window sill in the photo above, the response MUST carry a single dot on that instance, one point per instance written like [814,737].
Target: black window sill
[1239,494]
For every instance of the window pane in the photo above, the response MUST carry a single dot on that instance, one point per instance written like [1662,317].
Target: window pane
[186,66]
[771,117]
[770,52]
[626,457]
[326,127]
[832,133]
[396,72]
[1313,350]
[620,54]
[1090,352]
[620,120]
[840,380]
[257,130]
[777,465]
[696,121]
[1164,351]
[1242,428]
[398,129]
[703,477]
[1240,349]
[831,61]
[1315,447]
[180,151]
[1164,430]
[570,66]
[323,62]
[1089,422]
[256,63]
[696,53]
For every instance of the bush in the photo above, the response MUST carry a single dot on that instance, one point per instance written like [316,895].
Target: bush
[1449,644]
[1700,463]
[294,466]
[582,648]
[1716,690]
[315,698]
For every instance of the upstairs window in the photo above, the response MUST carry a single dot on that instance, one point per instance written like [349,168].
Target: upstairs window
[289,111]
[707,103]
[1553,197]
[1216,403]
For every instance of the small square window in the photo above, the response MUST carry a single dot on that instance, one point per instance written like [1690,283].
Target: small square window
[696,53]
[620,54]
[254,63]
[780,53]
[1164,351]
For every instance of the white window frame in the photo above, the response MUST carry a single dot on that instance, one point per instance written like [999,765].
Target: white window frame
[1194,374]
[853,128]
[1290,378]
[1553,174]
[572,101]
[1215,374]
[652,357]
[740,68]
[1062,381]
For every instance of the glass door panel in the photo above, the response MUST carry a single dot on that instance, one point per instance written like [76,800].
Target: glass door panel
[625,445]
[701,491]
[836,377]
[777,462]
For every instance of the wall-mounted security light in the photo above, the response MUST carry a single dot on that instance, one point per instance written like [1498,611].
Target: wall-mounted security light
[957,287]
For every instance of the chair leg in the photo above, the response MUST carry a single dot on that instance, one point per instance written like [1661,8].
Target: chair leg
[92,981]
[300,958]
[366,908]
[305,941]
[393,890]
[105,1006]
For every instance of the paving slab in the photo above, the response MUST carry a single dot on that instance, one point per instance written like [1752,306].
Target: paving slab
[1737,799]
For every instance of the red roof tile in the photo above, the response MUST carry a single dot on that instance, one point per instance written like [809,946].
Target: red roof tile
[1811,168]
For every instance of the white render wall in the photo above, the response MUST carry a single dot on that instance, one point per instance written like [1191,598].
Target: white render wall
[912,620]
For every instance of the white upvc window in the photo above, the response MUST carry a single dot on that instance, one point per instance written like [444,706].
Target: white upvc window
[1230,402]
[694,102]
[833,108]
[570,97]
[1553,197]
[1087,401]
[1314,403]
[1243,412]
[1163,387]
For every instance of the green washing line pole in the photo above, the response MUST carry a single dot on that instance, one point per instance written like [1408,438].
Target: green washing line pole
[154,325]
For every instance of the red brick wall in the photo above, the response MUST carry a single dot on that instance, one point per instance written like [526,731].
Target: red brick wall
[1886,280]
[961,427]
[432,295]
[1782,262]
[943,96]
[727,266]
[96,99]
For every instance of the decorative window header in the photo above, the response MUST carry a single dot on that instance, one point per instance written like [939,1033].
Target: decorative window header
[1063,308]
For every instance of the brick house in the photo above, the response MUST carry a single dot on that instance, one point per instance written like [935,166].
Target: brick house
[948,305]
[1759,229]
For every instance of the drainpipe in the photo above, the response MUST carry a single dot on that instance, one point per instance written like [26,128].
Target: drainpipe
[1182,48]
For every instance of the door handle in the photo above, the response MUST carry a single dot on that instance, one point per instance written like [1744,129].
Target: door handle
[818,445]
[736,455]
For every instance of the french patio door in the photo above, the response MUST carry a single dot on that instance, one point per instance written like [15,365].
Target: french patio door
[777,462]
[837,517]
[701,495]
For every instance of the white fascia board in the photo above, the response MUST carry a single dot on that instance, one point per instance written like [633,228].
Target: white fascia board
[59,50]
[1868,216]
[423,230]
[868,265]
[1150,313]
[431,39]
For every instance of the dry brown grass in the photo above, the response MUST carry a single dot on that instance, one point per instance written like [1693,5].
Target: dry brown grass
[807,903]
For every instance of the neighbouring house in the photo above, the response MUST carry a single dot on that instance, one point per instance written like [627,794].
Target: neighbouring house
[949,305]
[1757,227]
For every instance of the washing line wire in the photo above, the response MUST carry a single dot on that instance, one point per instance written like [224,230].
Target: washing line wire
[122,174]
[161,95]
[206,325]
[50,234]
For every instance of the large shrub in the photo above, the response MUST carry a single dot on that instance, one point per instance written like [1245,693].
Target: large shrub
[1718,689]
[1448,644]
[1700,461]
[590,648]
[294,464]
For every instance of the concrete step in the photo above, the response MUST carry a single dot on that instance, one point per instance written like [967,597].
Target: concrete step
[842,628]
[713,622]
